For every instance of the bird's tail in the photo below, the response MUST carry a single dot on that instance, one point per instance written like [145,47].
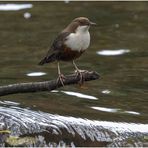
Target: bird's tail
[48,59]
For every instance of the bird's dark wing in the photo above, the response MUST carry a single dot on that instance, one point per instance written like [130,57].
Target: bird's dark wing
[59,41]
[57,45]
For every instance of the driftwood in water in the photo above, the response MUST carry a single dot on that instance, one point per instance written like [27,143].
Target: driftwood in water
[47,85]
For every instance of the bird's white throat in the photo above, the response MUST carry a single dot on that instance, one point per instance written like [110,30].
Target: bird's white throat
[79,40]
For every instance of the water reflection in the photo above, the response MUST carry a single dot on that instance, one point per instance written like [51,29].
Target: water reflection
[105,109]
[14,7]
[114,110]
[79,95]
[27,15]
[9,103]
[35,74]
[113,52]
[106,91]
[76,94]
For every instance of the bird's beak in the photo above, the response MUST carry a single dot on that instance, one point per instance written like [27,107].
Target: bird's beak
[93,24]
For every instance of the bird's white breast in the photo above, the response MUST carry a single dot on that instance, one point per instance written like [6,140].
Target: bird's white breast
[80,40]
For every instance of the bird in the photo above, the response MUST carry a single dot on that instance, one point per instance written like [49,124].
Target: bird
[69,45]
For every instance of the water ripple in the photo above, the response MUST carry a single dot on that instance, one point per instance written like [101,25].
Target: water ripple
[114,110]
[113,52]
[35,74]
[79,95]
[14,7]
[106,91]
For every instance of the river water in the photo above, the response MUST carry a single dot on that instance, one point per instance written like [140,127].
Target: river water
[118,52]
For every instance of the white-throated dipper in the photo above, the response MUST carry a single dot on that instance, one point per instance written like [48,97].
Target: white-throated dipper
[70,44]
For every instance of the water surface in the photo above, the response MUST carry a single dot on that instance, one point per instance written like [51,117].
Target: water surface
[118,52]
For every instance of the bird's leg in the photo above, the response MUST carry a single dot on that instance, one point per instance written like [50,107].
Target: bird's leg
[61,77]
[79,72]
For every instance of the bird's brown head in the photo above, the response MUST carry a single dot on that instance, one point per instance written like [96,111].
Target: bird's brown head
[83,21]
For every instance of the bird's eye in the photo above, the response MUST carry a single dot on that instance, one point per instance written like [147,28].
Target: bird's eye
[84,23]
[81,22]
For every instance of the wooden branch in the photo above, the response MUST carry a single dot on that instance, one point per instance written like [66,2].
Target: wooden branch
[47,85]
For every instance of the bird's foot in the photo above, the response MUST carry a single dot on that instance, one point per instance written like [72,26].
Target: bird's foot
[79,73]
[61,79]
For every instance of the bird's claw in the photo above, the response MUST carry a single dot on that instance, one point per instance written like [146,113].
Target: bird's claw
[79,73]
[61,79]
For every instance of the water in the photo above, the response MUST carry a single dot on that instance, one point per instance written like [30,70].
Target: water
[118,52]
[33,126]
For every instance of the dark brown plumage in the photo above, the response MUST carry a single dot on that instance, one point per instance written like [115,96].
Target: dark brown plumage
[56,49]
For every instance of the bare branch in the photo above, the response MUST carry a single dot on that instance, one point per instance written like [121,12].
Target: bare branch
[46,85]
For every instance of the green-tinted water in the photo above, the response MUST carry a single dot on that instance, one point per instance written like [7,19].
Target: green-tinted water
[120,94]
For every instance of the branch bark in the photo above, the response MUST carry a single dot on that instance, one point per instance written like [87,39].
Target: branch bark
[46,85]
